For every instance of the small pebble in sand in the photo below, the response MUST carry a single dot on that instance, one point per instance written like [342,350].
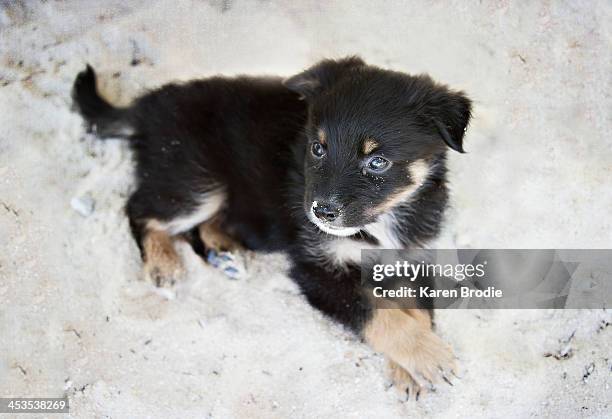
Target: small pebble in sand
[84,205]
[588,370]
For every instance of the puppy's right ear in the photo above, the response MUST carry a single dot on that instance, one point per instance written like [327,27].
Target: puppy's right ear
[321,76]
[451,112]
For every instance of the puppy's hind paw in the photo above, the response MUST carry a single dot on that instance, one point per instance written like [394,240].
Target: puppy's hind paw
[163,266]
[163,276]
[231,264]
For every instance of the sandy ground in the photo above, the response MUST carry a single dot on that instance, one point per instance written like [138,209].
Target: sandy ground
[75,319]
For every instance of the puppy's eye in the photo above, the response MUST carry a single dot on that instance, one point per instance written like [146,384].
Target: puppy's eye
[317,149]
[378,164]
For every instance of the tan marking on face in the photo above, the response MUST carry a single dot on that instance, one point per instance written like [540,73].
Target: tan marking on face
[369,145]
[322,136]
[416,356]
[418,171]
[162,264]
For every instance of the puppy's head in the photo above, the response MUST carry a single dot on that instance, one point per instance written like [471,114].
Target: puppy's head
[372,135]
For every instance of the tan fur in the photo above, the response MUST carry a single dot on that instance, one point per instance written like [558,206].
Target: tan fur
[416,357]
[162,264]
[418,171]
[393,200]
[209,204]
[215,238]
[155,225]
[369,145]
[322,136]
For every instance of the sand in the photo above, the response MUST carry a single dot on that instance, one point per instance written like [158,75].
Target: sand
[76,319]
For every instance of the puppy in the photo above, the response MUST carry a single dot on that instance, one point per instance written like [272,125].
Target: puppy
[341,157]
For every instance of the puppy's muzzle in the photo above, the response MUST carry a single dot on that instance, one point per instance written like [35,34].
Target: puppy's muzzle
[326,211]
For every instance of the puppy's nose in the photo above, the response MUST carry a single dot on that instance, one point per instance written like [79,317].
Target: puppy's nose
[326,211]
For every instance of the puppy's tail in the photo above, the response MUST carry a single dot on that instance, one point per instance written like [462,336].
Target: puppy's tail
[103,119]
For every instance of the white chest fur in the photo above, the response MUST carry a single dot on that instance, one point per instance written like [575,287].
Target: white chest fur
[341,251]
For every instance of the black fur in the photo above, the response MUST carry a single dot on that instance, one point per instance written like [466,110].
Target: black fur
[254,137]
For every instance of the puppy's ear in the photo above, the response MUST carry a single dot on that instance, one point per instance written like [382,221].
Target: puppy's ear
[321,76]
[450,112]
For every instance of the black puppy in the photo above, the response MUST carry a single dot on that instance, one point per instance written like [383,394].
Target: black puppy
[342,157]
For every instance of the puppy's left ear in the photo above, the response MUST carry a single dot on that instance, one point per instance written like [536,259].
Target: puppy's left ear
[451,113]
[321,76]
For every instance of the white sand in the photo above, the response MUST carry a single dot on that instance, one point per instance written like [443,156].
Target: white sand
[75,318]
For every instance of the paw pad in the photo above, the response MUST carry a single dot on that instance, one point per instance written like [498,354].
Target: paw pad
[226,262]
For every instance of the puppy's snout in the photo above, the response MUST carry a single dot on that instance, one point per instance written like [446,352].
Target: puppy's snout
[326,211]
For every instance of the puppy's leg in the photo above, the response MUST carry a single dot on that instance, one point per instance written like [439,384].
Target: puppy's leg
[222,249]
[157,222]
[162,264]
[215,238]
[416,357]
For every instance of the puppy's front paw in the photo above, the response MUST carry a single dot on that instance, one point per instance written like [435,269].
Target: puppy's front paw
[417,366]
[402,380]
[417,358]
